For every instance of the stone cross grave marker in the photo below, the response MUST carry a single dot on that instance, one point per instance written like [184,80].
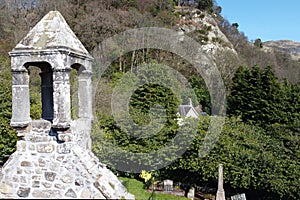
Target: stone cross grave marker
[220,191]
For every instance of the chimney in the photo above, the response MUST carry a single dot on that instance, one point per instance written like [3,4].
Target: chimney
[190,102]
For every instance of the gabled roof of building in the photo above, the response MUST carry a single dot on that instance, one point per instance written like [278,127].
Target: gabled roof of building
[183,110]
[52,32]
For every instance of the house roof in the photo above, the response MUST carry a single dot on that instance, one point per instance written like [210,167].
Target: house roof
[52,32]
[185,109]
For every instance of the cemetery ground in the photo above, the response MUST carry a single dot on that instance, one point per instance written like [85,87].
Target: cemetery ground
[137,188]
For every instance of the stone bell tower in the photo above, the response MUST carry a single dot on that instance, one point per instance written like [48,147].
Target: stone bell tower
[54,159]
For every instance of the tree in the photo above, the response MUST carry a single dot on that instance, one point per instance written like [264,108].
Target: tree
[256,96]
[20,16]
[206,5]
[201,92]
[8,137]
[258,43]
[151,121]
[254,163]
[235,25]
[227,62]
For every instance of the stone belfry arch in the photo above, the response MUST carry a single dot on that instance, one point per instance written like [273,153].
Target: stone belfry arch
[53,157]
[51,42]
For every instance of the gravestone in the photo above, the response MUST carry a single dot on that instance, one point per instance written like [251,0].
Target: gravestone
[53,158]
[191,193]
[168,185]
[238,197]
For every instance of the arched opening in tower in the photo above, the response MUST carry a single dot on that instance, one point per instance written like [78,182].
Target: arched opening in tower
[41,90]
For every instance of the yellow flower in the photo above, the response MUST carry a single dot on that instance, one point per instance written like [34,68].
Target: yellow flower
[146,175]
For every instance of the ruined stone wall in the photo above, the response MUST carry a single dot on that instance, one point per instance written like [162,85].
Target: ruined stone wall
[43,167]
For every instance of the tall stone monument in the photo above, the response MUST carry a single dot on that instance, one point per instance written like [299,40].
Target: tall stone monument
[220,192]
[53,157]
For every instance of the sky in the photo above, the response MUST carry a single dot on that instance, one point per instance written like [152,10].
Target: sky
[264,19]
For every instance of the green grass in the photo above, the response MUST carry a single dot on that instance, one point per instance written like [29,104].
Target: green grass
[136,188]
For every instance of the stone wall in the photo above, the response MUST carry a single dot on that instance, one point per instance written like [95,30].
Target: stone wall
[44,167]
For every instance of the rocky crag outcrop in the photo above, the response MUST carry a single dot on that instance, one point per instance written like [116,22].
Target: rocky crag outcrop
[203,26]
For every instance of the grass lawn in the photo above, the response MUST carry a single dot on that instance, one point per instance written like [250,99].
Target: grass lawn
[135,187]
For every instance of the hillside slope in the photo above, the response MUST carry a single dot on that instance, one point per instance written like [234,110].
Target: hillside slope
[287,46]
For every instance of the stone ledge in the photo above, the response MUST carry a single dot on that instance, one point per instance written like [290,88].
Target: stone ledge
[18,125]
[40,124]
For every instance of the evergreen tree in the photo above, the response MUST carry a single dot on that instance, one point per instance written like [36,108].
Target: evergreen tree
[8,137]
[206,5]
[255,163]
[256,96]
[258,43]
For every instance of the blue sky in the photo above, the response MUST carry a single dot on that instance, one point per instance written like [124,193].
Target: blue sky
[264,19]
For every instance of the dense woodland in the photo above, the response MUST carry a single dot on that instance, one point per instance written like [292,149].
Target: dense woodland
[259,143]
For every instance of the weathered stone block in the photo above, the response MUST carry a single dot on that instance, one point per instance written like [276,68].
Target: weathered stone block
[23,192]
[47,194]
[40,124]
[35,163]
[23,179]
[42,163]
[6,188]
[38,139]
[60,186]
[50,176]
[79,182]
[94,170]
[70,193]
[89,164]
[21,146]
[36,184]
[63,148]
[46,184]
[45,148]
[68,178]
[60,158]
[54,166]
[26,164]
[85,194]
[35,177]
[38,170]
[65,137]
[19,170]
[31,147]
[28,171]
[21,132]
[15,179]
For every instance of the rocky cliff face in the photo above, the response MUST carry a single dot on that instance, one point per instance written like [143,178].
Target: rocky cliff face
[287,46]
[203,27]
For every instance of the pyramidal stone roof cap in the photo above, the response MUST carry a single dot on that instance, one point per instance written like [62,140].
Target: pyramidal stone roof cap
[52,32]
